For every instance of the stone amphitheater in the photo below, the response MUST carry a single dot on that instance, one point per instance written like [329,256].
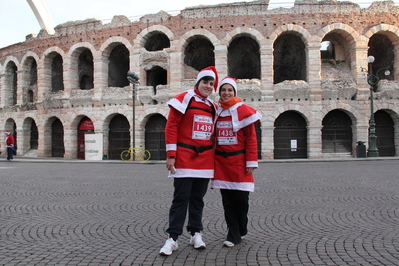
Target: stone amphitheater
[305,69]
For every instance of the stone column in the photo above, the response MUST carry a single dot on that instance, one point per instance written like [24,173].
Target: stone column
[175,69]
[314,70]
[100,79]
[267,142]
[22,82]
[70,143]
[23,139]
[363,89]
[44,145]
[43,81]
[314,142]
[221,61]
[266,57]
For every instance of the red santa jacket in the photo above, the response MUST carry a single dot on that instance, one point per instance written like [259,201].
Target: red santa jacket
[236,147]
[189,133]
[10,141]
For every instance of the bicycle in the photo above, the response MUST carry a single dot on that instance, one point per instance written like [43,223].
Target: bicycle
[138,152]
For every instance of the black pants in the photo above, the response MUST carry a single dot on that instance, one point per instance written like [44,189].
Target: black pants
[236,206]
[189,193]
[10,153]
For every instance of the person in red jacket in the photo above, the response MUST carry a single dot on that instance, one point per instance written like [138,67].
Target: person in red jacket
[9,145]
[236,157]
[190,157]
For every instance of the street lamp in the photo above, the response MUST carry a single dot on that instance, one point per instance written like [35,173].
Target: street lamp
[372,80]
[133,79]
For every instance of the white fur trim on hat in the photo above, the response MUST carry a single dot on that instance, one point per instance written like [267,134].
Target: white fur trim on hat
[206,73]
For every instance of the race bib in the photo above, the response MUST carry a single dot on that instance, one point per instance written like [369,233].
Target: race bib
[225,134]
[202,127]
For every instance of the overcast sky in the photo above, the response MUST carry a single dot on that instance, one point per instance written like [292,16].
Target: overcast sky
[17,19]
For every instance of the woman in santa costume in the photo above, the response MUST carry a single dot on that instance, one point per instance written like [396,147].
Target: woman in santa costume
[9,144]
[190,157]
[236,157]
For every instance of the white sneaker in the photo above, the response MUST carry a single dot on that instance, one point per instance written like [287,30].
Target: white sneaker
[169,247]
[197,242]
[228,244]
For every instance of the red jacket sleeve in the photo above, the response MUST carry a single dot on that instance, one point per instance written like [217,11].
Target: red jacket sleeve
[251,147]
[172,131]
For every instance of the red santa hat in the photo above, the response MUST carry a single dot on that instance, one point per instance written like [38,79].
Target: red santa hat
[7,132]
[231,81]
[209,72]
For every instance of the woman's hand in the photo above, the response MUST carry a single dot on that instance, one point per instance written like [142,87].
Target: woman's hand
[170,163]
[250,170]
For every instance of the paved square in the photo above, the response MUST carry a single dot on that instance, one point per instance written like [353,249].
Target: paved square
[114,213]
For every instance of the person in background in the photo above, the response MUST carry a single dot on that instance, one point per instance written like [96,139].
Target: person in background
[9,144]
[236,157]
[190,157]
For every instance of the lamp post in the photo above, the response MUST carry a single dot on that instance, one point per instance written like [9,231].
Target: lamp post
[133,79]
[373,80]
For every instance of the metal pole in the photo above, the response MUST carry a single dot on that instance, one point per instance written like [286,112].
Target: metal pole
[134,79]
[134,120]
[373,150]
[372,80]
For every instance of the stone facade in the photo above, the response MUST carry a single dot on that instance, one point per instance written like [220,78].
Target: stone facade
[275,54]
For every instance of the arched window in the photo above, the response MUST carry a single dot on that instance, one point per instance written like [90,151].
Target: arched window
[199,54]
[289,58]
[157,42]
[243,58]
[118,67]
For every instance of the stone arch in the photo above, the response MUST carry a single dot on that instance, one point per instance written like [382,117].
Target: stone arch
[29,77]
[56,81]
[391,31]
[13,59]
[185,38]
[290,135]
[244,61]
[81,72]
[106,48]
[142,37]
[47,139]
[10,82]
[148,112]
[207,42]
[258,36]
[294,29]
[29,54]
[117,135]
[115,75]
[351,111]
[299,39]
[154,136]
[29,136]
[337,132]
[388,36]
[339,57]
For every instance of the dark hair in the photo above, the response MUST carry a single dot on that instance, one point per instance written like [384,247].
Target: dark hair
[206,78]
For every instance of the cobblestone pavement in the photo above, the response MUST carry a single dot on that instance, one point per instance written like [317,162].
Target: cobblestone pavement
[302,213]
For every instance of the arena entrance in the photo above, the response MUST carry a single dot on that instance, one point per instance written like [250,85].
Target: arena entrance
[290,136]
[155,137]
[85,127]
[119,137]
[385,132]
[57,139]
[337,133]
